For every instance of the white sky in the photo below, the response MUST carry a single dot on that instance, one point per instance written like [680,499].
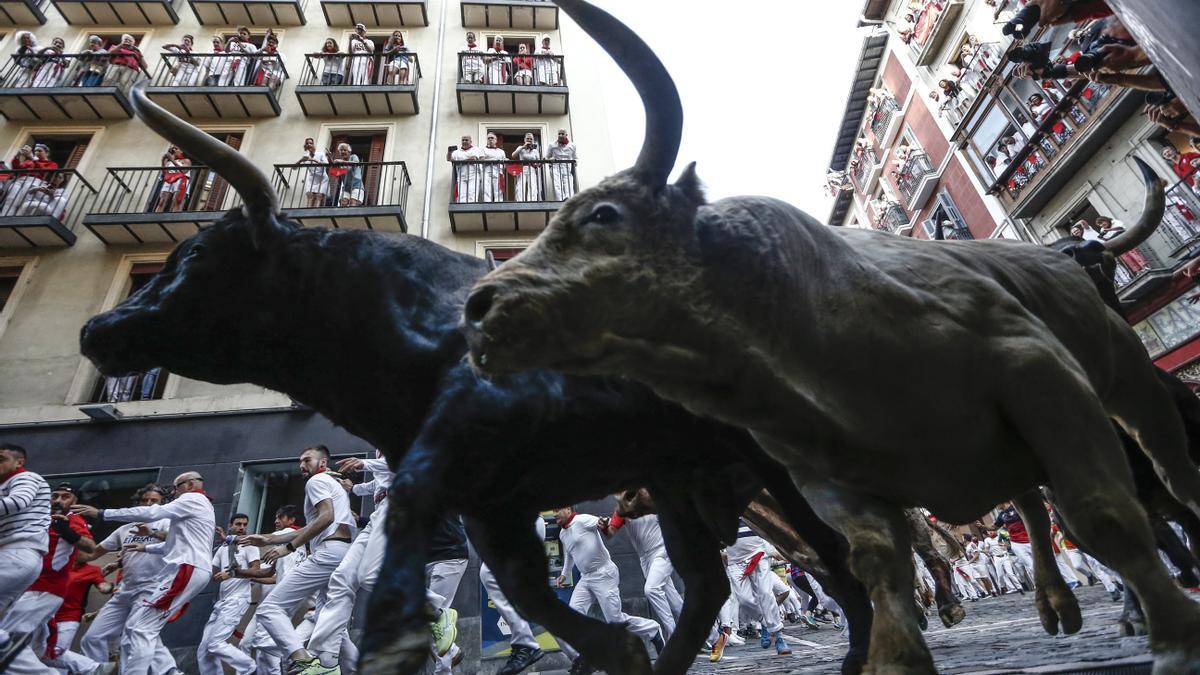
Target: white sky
[763,82]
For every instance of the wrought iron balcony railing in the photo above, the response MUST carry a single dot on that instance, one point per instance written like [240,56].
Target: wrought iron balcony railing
[41,207]
[58,71]
[515,70]
[881,118]
[373,195]
[890,216]
[196,71]
[359,84]
[511,181]
[914,170]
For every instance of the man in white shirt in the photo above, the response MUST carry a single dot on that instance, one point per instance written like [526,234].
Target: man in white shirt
[472,65]
[525,650]
[599,582]
[467,171]
[233,599]
[265,658]
[1006,576]
[493,169]
[978,563]
[24,536]
[187,556]
[140,574]
[749,568]
[327,533]
[562,173]
[660,591]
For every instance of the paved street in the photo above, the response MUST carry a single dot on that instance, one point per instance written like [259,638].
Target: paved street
[999,634]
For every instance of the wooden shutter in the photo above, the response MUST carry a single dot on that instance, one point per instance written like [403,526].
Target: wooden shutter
[76,155]
[372,174]
[216,193]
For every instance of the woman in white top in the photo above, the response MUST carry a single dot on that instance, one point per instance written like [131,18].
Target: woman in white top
[47,200]
[53,66]
[497,65]
[362,51]
[529,181]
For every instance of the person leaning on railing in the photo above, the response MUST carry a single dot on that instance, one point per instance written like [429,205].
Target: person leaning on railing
[396,61]
[362,53]
[546,66]
[49,199]
[126,63]
[333,64]
[183,66]
[27,61]
[523,66]
[93,62]
[53,65]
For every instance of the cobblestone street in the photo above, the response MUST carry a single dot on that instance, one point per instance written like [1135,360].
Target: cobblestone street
[999,634]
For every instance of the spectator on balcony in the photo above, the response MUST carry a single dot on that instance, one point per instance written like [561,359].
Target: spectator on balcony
[270,72]
[1185,165]
[352,190]
[48,199]
[184,67]
[497,62]
[467,171]
[316,181]
[523,66]
[529,180]
[562,170]
[362,54]
[26,59]
[1038,106]
[218,64]
[1171,114]
[950,88]
[53,65]
[93,62]
[333,64]
[240,48]
[125,63]
[172,192]
[28,159]
[493,169]
[546,66]
[396,56]
[1084,230]
[472,65]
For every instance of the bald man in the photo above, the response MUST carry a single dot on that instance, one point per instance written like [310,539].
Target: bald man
[187,560]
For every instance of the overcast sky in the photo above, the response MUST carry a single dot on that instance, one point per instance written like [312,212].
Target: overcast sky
[764,85]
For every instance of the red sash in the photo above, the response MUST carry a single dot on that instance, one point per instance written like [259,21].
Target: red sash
[182,577]
[750,567]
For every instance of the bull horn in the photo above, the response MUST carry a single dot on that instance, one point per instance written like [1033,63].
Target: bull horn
[258,197]
[664,111]
[1152,213]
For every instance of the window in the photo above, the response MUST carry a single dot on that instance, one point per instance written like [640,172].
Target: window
[368,146]
[268,486]
[498,256]
[111,39]
[946,215]
[65,149]
[108,490]
[8,284]
[147,386]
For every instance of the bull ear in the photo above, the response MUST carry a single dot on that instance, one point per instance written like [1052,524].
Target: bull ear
[689,186]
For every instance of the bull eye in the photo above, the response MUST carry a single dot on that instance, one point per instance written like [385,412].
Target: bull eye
[603,214]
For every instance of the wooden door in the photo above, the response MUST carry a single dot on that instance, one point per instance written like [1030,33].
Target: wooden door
[372,174]
[217,186]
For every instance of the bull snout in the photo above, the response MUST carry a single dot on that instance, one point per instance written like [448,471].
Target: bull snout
[479,303]
[106,340]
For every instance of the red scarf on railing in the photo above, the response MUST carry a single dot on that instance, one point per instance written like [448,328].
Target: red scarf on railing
[181,177]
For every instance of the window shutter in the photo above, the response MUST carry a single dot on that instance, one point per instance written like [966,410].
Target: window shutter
[371,175]
[216,193]
[76,155]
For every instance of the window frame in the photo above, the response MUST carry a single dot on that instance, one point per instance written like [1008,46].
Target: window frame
[24,279]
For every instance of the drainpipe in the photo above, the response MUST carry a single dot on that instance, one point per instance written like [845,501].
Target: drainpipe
[433,127]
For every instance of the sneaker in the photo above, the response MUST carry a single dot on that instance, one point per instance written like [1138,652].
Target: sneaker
[314,667]
[781,646]
[718,648]
[445,631]
[734,640]
[838,624]
[520,659]
[810,623]
[764,638]
[792,617]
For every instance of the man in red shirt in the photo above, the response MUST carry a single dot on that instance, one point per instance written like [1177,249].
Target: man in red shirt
[65,623]
[1184,164]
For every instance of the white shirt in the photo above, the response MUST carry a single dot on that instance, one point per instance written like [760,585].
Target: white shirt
[137,568]
[747,545]
[993,547]
[558,150]
[190,537]
[471,155]
[493,154]
[319,488]
[582,545]
[243,557]
[381,478]
[647,537]
[972,550]
[25,512]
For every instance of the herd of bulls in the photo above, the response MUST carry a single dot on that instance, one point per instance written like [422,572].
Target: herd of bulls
[707,352]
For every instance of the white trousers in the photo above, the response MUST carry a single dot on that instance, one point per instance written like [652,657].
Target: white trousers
[109,624]
[30,614]
[73,662]
[19,568]
[142,639]
[214,650]
[1005,574]
[562,181]
[603,587]
[756,590]
[1087,564]
[310,576]
[726,618]
[522,632]
[491,183]
[358,570]
[441,585]
[660,591]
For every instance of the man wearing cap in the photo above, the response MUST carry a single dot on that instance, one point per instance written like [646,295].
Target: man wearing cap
[187,556]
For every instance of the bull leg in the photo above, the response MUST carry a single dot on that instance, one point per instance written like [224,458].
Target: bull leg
[1176,551]
[880,558]
[694,553]
[949,608]
[1132,620]
[398,638]
[506,542]
[1099,504]
[1056,604]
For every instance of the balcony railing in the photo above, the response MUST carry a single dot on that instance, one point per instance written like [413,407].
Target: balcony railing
[890,216]
[69,86]
[359,84]
[219,85]
[150,204]
[913,173]
[881,120]
[862,169]
[147,386]
[22,12]
[509,195]
[1181,219]
[41,207]
[506,84]
[540,15]
[119,12]
[359,195]
[249,12]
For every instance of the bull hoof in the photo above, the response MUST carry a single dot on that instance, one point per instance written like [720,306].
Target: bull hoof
[1058,608]
[952,615]
[404,653]
[854,663]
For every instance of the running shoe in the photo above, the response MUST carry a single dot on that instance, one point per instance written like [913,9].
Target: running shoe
[445,631]
[764,638]
[781,646]
[718,648]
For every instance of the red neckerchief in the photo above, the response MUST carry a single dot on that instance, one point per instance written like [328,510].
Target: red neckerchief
[568,523]
[201,492]
[564,142]
[292,527]
[10,474]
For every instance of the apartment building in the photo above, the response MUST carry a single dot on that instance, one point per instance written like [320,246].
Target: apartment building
[79,235]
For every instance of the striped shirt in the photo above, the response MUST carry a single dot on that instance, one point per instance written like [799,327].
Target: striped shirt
[25,512]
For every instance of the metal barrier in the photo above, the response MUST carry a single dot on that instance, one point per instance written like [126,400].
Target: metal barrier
[342,184]
[146,190]
[912,172]
[29,71]
[62,194]
[546,180]
[221,70]
[515,70]
[356,70]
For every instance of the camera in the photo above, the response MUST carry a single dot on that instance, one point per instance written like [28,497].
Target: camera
[1025,20]
[1091,57]
[1036,54]
[453,148]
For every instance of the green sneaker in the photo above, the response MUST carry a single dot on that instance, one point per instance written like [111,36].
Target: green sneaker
[313,667]
[445,631]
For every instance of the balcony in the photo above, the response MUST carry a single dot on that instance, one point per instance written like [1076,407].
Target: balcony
[361,196]
[346,85]
[508,196]
[219,85]
[511,85]
[885,121]
[147,205]
[539,15]
[889,216]
[935,22]
[40,208]
[67,87]
[22,12]
[119,12]
[866,173]
[1143,271]
[917,180]
[249,12]
[379,14]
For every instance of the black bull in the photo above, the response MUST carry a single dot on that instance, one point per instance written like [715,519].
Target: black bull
[363,328]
